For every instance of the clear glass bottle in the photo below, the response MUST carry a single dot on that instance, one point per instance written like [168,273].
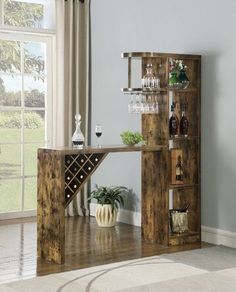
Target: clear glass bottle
[149,80]
[78,137]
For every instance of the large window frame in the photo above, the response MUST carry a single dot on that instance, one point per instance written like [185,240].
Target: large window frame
[48,38]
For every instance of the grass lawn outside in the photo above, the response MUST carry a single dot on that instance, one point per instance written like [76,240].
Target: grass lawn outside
[11,166]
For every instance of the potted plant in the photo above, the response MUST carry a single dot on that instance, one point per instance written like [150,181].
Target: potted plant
[131,138]
[109,200]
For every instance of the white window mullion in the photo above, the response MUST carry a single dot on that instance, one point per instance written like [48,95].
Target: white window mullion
[22,130]
[1,12]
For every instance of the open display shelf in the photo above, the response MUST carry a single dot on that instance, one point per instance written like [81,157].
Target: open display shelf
[156,197]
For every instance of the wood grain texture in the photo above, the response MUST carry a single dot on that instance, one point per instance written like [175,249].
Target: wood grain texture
[104,149]
[183,239]
[51,206]
[155,225]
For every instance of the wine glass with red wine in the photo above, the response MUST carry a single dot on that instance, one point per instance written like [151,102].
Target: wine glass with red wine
[98,132]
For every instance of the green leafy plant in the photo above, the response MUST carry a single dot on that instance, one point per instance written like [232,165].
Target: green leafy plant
[132,138]
[113,195]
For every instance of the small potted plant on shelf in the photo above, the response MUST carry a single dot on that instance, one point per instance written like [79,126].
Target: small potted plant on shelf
[109,200]
[132,138]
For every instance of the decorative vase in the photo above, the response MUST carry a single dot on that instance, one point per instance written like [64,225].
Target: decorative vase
[183,79]
[174,82]
[105,216]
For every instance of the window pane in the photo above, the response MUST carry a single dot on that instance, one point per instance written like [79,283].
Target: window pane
[30,199]
[10,195]
[35,14]
[30,157]
[10,90]
[34,58]
[34,92]
[10,161]
[10,126]
[18,13]
[10,56]
[34,126]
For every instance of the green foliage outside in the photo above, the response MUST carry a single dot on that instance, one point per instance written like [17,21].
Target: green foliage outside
[32,120]
[23,14]
[10,165]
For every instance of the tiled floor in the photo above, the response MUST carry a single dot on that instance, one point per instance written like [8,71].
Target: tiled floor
[17,251]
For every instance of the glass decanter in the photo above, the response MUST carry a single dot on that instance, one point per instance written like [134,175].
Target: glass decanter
[149,80]
[78,137]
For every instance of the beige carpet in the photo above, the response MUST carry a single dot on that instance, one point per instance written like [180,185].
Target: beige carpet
[159,273]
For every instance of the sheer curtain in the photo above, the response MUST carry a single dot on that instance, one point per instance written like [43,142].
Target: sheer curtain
[72,59]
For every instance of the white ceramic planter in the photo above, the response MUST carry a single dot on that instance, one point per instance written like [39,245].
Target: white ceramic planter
[104,215]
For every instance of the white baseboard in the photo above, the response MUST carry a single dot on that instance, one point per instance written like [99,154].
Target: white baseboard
[16,215]
[124,216]
[219,236]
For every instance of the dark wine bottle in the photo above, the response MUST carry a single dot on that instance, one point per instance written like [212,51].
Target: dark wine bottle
[173,122]
[179,170]
[184,123]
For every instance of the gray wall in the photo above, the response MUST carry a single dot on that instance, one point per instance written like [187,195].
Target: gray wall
[206,27]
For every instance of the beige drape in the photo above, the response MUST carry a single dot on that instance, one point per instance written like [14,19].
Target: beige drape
[73,79]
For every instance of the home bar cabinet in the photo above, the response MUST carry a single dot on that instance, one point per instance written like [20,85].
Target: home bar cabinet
[157,200]
[62,172]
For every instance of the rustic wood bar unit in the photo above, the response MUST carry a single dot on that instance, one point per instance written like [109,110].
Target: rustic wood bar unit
[155,129]
[63,172]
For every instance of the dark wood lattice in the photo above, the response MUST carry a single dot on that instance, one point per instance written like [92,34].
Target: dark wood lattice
[78,169]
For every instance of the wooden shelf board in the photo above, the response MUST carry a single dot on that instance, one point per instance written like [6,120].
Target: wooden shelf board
[187,90]
[183,238]
[105,149]
[186,234]
[183,186]
[139,90]
[158,55]
[179,138]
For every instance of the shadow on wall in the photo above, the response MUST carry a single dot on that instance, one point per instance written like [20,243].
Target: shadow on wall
[132,201]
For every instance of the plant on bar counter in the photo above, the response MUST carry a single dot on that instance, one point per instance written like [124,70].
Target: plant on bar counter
[131,138]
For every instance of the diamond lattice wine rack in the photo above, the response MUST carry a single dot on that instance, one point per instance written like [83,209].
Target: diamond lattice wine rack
[77,169]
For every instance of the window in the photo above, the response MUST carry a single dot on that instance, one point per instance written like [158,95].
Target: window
[28,13]
[25,105]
